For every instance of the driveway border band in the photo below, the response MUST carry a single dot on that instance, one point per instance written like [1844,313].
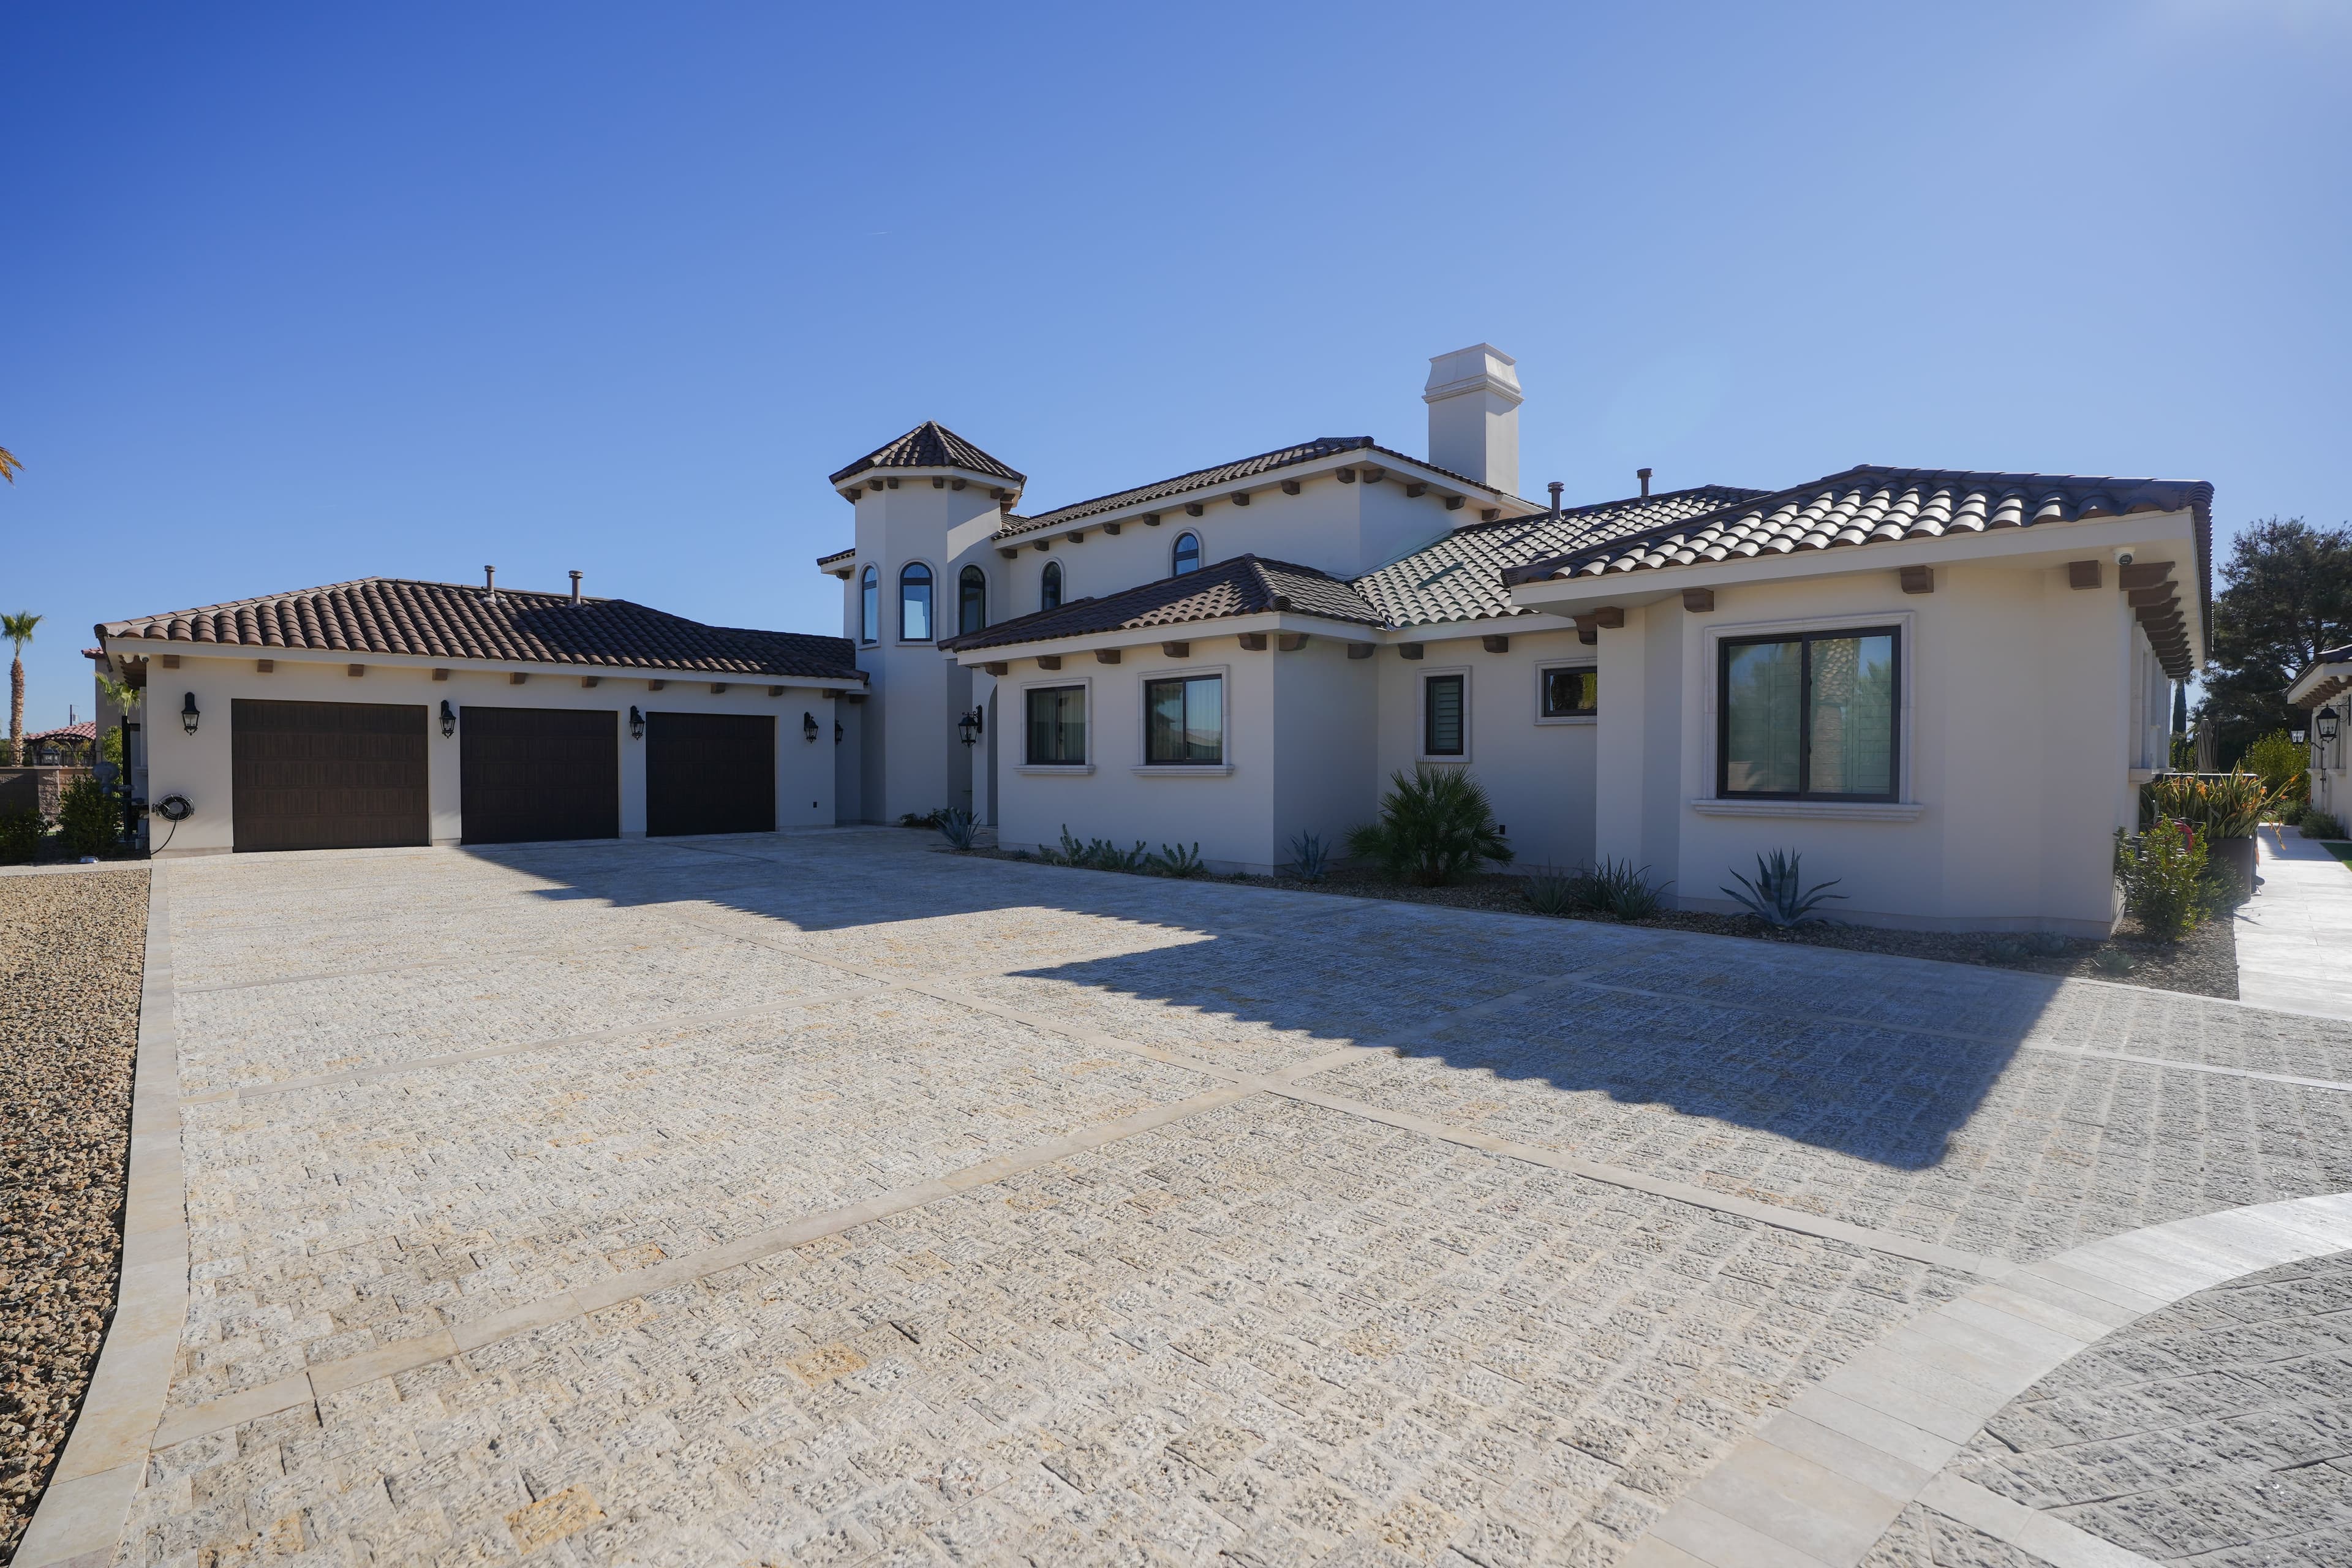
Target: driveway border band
[81,1516]
[1818,1484]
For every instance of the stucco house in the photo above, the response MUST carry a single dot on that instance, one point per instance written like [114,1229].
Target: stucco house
[386,711]
[1942,686]
[2324,693]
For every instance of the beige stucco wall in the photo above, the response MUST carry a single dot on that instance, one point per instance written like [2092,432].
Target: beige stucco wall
[198,766]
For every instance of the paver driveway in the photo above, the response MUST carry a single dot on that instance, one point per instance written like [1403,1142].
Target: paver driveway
[824,1198]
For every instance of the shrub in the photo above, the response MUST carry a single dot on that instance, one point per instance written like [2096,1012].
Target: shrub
[2317,824]
[2223,806]
[1777,895]
[1314,861]
[1552,892]
[1434,829]
[1176,860]
[2112,961]
[2162,870]
[2282,765]
[89,820]
[1616,888]
[957,826]
[20,835]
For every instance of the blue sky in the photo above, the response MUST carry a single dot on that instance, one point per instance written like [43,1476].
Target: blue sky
[296,294]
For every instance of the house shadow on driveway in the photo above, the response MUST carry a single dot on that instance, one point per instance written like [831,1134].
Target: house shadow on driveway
[1875,1058]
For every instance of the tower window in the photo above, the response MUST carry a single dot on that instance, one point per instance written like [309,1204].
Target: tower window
[869,605]
[1049,588]
[1186,557]
[972,601]
[915,602]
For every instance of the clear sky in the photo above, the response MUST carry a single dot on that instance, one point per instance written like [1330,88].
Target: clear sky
[296,294]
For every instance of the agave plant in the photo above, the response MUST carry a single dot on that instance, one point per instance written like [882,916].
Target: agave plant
[1177,860]
[1312,861]
[957,827]
[1777,895]
[1435,827]
[1550,890]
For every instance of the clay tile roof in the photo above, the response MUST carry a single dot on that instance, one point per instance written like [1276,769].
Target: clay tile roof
[1244,585]
[85,731]
[932,445]
[1460,577]
[1871,505]
[448,620]
[838,557]
[1222,473]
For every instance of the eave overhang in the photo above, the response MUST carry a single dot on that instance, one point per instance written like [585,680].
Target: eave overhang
[130,652]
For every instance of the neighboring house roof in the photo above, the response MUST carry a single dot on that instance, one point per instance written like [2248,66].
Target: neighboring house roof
[448,620]
[932,445]
[1244,586]
[1460,577]
[1222,473]
[84,732]
[2326,676]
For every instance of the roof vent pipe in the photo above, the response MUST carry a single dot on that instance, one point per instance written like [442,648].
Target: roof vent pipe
[575,576]
[490,583]
[1642,474]
[1555,487]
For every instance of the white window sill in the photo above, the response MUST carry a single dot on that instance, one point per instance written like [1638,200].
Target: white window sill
[1184,770]
[1571,718]
[2138,775]
[1826,810]
[1072,768]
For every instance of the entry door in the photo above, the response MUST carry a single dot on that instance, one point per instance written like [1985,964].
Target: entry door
[527,774]
[327,776]
[710,772]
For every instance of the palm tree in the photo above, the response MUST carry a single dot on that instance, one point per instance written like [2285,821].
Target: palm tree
[8,465]
[17,628]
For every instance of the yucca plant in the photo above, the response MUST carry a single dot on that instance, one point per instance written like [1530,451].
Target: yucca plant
[1312,861]
[1620,887]
[1435,827]
[1550,890]
[2219,805]
[1177,860]
[957,827]
[1777,895]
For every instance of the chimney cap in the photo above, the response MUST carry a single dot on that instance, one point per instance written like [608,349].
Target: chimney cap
[1480,367]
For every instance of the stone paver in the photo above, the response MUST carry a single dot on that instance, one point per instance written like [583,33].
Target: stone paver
[2294,934]
[823,1198]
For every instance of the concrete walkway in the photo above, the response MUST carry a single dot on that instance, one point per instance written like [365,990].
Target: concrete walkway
[2295,938]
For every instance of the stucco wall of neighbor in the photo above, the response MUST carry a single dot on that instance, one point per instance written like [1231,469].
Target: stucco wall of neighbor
[1116,796]
[2019,733]
[1539,776]
[198,766]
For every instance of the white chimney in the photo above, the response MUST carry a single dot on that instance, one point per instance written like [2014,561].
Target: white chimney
[1474,415]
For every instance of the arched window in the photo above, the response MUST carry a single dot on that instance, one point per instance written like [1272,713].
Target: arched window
[972,601]
[915,602]
[1049,588]
[869,605]
[1187,554]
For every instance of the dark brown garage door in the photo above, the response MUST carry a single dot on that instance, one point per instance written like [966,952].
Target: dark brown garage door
[531,773]
[710,772]
[326,776]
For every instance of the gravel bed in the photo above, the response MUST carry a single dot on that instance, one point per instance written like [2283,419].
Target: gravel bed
[72,949]
[2204,962]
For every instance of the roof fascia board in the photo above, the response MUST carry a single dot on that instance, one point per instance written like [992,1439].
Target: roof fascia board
[1174,631]
[144,648]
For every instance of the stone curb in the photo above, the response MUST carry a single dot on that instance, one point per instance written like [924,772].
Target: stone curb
[80,1517]
[1820,1483]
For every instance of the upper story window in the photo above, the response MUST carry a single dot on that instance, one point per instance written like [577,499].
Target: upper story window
[1186,556]
[1049,588]
[1057,726]
[915,602]
[1569,693]
[869,605]
[1442,732]
[972,601]
[1184,720]
[1809,718]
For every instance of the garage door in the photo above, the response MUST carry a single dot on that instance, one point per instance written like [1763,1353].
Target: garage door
[710,772]
[326,776]
[530,774]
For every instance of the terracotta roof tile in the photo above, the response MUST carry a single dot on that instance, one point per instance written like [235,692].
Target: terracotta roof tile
[1244,586]
[932,445]
[448,620]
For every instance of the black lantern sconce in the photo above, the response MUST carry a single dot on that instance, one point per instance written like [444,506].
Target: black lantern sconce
[448,720]
[837,732]
[188,714]
[636,723]
[968,727]
[2327,725]
[808,728]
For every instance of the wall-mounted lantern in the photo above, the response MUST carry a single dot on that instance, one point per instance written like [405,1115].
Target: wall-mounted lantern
[448,720]
[2327,725]
[968,727]
[188,714]
[636,723]
[808,728]
[837,732]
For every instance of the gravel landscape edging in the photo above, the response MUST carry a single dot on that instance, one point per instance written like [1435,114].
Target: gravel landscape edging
[81,1516]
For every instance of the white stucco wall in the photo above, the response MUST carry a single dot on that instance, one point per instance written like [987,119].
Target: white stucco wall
[198,766]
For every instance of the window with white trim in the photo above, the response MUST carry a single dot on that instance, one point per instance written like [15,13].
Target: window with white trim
[1809,717]
[1444,724]
[1049,586]
[869,605]
[1184,721]
[1186,556]
[1057,726]
[1567,691]
[915,602]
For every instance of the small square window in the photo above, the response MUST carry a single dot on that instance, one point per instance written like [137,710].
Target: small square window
[1184,721]
[1057,726]
[1569,693]
[1442,728]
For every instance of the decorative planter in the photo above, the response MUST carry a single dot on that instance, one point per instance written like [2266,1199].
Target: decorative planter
[2238,854]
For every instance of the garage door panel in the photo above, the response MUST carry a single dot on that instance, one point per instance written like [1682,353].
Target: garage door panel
[710,772]
[528,775]
[327,776]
